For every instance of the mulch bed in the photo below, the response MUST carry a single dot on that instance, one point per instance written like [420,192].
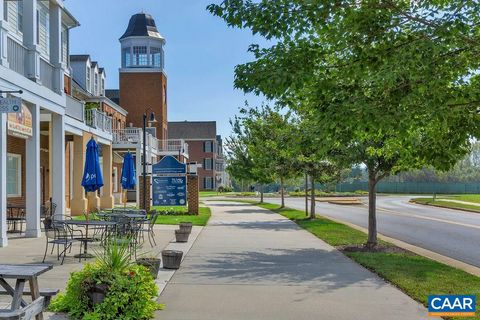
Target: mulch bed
[377,249]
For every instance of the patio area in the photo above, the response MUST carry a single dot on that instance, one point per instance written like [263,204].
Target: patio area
[22,250]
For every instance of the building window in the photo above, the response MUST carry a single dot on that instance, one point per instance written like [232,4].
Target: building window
[208,164]
[127,60]
[88,78]
[95,88]
[208,146]
[64,44]
[140,56]
[5,10]
[115,179]
[156,57]
[19,16]
[103,87]
[208,183]
[14,175]
[43,28]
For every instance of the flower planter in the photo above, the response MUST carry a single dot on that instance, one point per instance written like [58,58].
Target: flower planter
[181,235]
[152,264]
[171,259]
[186,226]
[97,293]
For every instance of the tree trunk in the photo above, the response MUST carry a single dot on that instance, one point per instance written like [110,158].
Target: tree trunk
[372,215]
[312,198]
[282,193]
[261,193]
[306,194]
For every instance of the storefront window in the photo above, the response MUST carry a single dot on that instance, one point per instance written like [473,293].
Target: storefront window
[14,175]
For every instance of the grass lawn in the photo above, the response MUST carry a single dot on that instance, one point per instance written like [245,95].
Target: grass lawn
[417,276]
[447,204]
[200,220]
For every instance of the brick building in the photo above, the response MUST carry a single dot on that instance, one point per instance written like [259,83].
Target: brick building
[205,148]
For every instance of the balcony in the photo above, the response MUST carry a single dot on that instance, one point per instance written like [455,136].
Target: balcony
[75,109]
[132,138]
[98,120]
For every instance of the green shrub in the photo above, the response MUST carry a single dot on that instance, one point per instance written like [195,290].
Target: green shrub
[129,289]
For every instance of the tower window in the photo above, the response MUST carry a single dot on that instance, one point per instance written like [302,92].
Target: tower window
[127,60]
[156,57]
[140,56]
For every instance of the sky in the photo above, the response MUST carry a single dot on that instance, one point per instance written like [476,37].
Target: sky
[200,54]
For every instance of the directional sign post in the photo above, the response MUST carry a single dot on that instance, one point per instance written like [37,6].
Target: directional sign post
[10,105]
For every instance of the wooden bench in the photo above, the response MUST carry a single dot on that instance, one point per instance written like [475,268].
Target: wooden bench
[28,312]
[48,294]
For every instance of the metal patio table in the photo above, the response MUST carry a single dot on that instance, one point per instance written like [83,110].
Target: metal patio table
[85,240]
[23,273]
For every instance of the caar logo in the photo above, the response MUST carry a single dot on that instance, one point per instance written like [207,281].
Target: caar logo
[451,305]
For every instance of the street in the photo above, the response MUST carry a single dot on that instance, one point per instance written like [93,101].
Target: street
[453,233]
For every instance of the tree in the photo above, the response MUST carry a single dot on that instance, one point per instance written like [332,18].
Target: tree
[271,141]
[391,84]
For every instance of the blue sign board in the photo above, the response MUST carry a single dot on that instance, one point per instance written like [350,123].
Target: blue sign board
[169,191]
[169,164]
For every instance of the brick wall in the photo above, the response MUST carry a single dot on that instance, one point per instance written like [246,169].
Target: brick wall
[119,121]
[196,153]
[193,194]
[17,146]
[139,91]
[140,185]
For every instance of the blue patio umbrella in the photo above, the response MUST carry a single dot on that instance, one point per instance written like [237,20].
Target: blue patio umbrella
[92,174]
[128,173]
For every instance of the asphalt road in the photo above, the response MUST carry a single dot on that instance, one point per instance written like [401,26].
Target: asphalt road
[452,233]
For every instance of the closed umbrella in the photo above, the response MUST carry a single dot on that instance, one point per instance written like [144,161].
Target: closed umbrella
[92,173]
[128,173]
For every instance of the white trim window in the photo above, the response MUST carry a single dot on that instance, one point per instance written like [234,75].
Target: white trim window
[156,57]
[126,58]
[208,182]
[208,146]
[14,175]
[208,164]
[43,27]
[140,57]
[64,36]
[89,71]
[95,86]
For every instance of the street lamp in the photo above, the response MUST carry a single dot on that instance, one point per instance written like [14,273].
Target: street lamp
[150,121]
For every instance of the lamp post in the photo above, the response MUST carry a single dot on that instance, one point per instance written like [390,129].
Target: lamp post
[144,173]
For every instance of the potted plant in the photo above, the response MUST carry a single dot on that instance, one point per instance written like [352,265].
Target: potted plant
[110,288]
[151,263]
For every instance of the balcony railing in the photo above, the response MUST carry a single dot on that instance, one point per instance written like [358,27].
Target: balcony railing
[75,109]
[98,120]
[46,74]
[135,136]
[16,56]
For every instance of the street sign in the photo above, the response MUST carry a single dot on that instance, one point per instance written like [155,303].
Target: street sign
[169,191]
[10,105]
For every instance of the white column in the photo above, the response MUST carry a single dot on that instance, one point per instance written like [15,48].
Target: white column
[3,180]
[138,167]
[32,176]
[58,162]
[56,47]
[3,37]
[30,39]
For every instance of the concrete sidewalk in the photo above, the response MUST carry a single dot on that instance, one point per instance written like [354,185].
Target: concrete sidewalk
[250,263]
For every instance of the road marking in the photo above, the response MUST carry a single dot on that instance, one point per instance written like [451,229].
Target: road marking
[408,214]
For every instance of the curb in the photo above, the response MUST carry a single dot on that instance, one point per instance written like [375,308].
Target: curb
[165,275]
[420,251]
[445,207]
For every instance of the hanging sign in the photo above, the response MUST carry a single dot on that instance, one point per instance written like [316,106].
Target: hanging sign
[20,124]
[10,105]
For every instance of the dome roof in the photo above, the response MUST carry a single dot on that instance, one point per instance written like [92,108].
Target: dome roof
[141,25]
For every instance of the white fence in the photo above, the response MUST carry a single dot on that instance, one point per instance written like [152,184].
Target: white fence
[98,120]
[16,56]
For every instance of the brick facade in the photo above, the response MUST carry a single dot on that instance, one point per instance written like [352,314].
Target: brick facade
[193,196]
[119,121]
[142,90]
[196,153]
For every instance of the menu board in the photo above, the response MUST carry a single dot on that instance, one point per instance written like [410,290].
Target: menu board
[169,191]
